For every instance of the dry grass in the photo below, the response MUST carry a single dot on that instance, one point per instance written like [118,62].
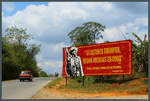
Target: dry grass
[74,90]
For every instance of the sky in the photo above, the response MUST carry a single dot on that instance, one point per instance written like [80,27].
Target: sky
[50,22]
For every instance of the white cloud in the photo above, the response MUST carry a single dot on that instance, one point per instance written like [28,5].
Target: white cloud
[116,33]
[53,48]
[51,52]
[112,33]
[51,21]
[106,6]
[51,66]
[141,21]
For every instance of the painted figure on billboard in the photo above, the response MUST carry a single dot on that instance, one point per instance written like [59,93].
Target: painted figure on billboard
[73,63]
[112,58]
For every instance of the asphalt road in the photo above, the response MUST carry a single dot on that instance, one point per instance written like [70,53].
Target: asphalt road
[14,89]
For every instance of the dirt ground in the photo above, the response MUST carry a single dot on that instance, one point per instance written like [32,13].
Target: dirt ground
[55,93]
[48,93]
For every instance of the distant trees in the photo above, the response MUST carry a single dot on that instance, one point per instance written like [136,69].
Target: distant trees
[86,34]
[43,74]
[17,53]
[50,75]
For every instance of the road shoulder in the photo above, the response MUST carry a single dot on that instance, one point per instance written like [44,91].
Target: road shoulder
[54,93]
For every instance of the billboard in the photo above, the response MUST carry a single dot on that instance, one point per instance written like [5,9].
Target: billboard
[111,58]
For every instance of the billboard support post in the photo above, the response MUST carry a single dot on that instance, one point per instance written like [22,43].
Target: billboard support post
[83,81]
[103,80]
[99,79]
[66,81]
[134,65]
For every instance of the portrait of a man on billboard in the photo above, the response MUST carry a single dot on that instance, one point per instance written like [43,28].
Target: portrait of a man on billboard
[73,62]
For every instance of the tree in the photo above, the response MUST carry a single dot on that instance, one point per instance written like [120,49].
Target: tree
[50,75]
[43,74]
[17,35]
[10,62]
[140,52]
[18,54]
[86,34]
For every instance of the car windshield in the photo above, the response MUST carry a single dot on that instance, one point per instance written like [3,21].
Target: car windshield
[25,72]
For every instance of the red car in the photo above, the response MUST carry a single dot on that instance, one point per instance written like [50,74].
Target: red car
[25,75]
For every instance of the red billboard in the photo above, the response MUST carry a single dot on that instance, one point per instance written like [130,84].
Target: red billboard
[111,58]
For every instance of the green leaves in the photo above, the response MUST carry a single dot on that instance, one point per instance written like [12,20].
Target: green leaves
[43,74]
[18,54]
[137,38]
[140,51]
[17,35]
[87,33]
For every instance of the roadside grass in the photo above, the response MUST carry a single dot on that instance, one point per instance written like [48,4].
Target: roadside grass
[137,84]
[54,82]
[145,82]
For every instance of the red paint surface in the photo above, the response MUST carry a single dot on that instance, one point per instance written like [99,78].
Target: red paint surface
[125,48]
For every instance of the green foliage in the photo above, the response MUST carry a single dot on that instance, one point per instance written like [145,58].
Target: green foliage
[8,63]
[43,74]
[105,86]
[50,75]
[138,75]
[140,53]
[17,35]
[86,34]
[17,54]
[54,82]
